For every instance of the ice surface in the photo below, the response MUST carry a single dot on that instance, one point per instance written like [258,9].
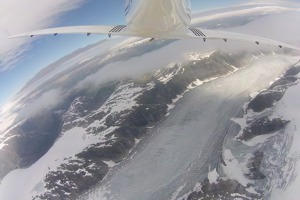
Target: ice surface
[234,168]
[182,148]
[71,143]
[186,144]
[167,73]
[213,176]
[288,108]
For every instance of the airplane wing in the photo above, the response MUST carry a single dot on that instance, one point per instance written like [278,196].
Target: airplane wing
[110,30]
[226,36]
[191,33]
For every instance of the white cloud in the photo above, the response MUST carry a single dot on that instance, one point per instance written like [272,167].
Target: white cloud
[240,12]
[45,102]
[21,16]
[271,1]
[273,26]
[282,27]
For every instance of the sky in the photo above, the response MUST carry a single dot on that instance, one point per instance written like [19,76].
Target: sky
[21,59]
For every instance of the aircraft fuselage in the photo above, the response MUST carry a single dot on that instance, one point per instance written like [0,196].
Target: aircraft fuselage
[156,17]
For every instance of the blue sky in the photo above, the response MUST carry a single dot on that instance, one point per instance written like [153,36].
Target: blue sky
[45,50]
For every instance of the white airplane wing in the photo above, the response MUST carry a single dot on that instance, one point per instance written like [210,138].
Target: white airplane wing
[110,30]
[191,33]
[227,36]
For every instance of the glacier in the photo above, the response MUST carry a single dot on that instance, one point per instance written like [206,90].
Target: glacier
[162,120]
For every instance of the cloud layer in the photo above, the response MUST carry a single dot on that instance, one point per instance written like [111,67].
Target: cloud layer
[20,16]
[273,25]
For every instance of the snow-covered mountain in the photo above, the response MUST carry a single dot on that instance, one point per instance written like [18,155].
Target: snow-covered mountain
[128,119]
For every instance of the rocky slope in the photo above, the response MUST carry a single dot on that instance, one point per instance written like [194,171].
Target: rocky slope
[260,135]
[121,114]
[113,119]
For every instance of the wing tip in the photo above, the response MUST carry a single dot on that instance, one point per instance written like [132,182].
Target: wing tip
[19,36]
[12,37]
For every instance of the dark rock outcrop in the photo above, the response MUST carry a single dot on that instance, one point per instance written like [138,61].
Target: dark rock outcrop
[224,189]
[266,99]
[254,167]
[30,141]
[151,107]
[293,71]
[262,126]
[73,179]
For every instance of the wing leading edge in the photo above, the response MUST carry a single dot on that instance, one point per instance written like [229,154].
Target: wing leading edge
[226,36]
[190,33]
[110,30]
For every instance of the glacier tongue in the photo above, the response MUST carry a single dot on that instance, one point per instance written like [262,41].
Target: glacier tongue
[149,138]
[268,130]
[285,179]
[189,142]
